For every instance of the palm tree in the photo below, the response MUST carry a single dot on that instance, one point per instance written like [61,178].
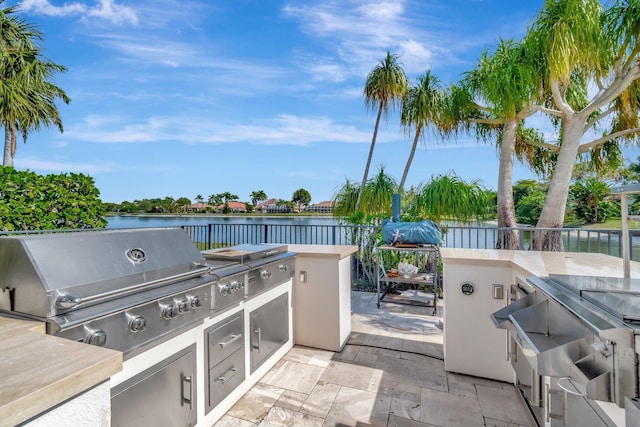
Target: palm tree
[449,197]
[258,196]
[385,87]
[494,99]
[376,199]
[28,95]
[378,193]
[214,199]
[420,108]
[226,198]
[578,38]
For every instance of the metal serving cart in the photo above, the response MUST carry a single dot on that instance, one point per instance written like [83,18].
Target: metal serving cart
[424,257]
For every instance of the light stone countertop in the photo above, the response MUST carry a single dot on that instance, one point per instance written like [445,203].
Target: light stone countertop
[541,263]
[331,251]
[40,371]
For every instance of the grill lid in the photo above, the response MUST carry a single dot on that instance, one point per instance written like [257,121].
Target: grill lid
[50,274]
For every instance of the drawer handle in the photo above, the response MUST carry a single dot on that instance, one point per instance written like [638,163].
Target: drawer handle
[187,389]
[576,393]
[226,378]
[234,338]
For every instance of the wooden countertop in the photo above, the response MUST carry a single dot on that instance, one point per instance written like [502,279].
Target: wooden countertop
[331,251]
[541,263]
[40,371]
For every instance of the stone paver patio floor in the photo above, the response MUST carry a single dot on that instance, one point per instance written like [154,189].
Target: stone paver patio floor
[391,373]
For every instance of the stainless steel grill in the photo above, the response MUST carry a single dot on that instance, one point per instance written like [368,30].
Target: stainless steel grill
[122,289]
[267,265]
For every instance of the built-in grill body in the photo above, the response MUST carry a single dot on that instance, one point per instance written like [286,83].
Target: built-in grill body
[229,287]
[267,265]
[123,289]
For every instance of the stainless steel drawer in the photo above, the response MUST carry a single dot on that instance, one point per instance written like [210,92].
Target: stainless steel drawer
[225,339]
[225,377]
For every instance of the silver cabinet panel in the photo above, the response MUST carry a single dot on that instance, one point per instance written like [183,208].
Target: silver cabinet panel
[224,378]
[137,402]
[225,339]
[224,357]
[269,328]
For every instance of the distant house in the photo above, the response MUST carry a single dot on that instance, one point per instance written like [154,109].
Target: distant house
[264,206]
[234,207]
[199,207]
[271,206]
[322,207]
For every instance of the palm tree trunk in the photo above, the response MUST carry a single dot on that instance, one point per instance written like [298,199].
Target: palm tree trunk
[366,169]
[508,236]
[9,146]
[410,159]
[552,215]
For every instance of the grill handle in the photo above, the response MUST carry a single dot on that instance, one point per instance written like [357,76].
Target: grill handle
[70,301]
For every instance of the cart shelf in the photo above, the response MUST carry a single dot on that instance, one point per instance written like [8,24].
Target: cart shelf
[422,256]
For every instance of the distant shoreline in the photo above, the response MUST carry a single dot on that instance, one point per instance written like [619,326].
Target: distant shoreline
[214,215]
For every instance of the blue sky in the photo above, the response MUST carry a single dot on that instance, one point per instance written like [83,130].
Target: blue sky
[186,97]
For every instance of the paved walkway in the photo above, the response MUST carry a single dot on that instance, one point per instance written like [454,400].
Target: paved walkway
[391,373]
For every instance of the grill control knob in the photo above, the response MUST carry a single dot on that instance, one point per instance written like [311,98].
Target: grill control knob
[265,274]
[224,289]
[169,311]
[137,324]
[283,268]
[98,338]
[236,286]
[183,305]
[195,301]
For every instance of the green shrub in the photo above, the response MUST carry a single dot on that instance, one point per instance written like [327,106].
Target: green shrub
[29,201]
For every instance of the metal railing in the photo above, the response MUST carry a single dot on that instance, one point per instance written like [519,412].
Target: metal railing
[217,235]
[213,236]
[605,241]
[210,236]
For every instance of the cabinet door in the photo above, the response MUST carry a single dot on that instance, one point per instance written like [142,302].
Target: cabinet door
[163,395]
[269,329]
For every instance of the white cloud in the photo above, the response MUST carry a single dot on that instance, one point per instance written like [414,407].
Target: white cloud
[285,129]
[107,10]
[327,72]
[361,33]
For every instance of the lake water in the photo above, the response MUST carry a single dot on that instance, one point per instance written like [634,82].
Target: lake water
[179,220]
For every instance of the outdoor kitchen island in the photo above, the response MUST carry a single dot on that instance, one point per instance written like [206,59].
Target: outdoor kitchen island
[322,295]
[556,358]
